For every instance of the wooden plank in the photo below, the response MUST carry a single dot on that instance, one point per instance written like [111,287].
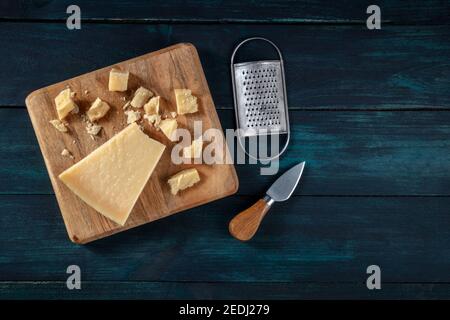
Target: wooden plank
[222,290]
[327,67]
[347,153]
[183,70]
[196,11]
[307,239]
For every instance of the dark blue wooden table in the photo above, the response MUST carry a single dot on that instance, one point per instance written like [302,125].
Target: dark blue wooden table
[369,111]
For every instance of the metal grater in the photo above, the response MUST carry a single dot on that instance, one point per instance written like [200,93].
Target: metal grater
[260,101]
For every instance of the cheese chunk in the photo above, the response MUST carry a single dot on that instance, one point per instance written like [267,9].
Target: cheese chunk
[111,178]
[59,125]
[98,110]
[152,107]
[141,96]
[186,102]
[183,179]
[93,129]
[194,150]
[132,116]
[154,119]
[64,103]
[169,128]
[118,80]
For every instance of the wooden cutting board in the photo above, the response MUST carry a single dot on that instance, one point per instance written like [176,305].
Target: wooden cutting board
[162,71]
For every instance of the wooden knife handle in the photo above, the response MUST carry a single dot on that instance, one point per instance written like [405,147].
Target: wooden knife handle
[244,226]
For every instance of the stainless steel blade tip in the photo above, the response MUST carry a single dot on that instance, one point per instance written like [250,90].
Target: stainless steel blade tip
[285,185]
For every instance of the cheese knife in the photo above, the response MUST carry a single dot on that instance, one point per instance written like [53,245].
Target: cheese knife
[244,225]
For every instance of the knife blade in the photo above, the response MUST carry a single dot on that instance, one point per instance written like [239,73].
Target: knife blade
[244,225]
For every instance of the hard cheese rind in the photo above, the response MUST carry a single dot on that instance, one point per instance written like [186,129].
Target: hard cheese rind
[111,178]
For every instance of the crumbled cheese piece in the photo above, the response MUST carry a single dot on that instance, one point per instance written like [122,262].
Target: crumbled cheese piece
[173,114]
[183,179]
[186,102]
[118,80]
[64,103]
[169,128]
[126,105]
[194,150]
[141,96]
[152,107]
[93,129]
[97,110]
[86,92]
[59,125]
[66,153]
[132,116]
[154,119]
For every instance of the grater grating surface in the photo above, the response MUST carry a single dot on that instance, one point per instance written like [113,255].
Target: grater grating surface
[260,101]
[260,97]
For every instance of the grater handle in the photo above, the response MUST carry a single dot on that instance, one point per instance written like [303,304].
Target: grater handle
[255,39]
[288,131]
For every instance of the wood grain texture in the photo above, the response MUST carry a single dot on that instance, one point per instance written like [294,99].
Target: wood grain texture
[327,67]
[162,71]
[348,153]
[245,224]
[196,11]
[305,239]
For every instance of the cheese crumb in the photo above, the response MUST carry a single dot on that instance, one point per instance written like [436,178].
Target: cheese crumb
[126,105]
[59,125]
[141,96]
[132,116]
[86,92]
[93,129]
[154,119]
[173,114]
[66,153]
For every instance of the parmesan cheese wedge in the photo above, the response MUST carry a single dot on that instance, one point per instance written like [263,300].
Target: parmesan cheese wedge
[111,178]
